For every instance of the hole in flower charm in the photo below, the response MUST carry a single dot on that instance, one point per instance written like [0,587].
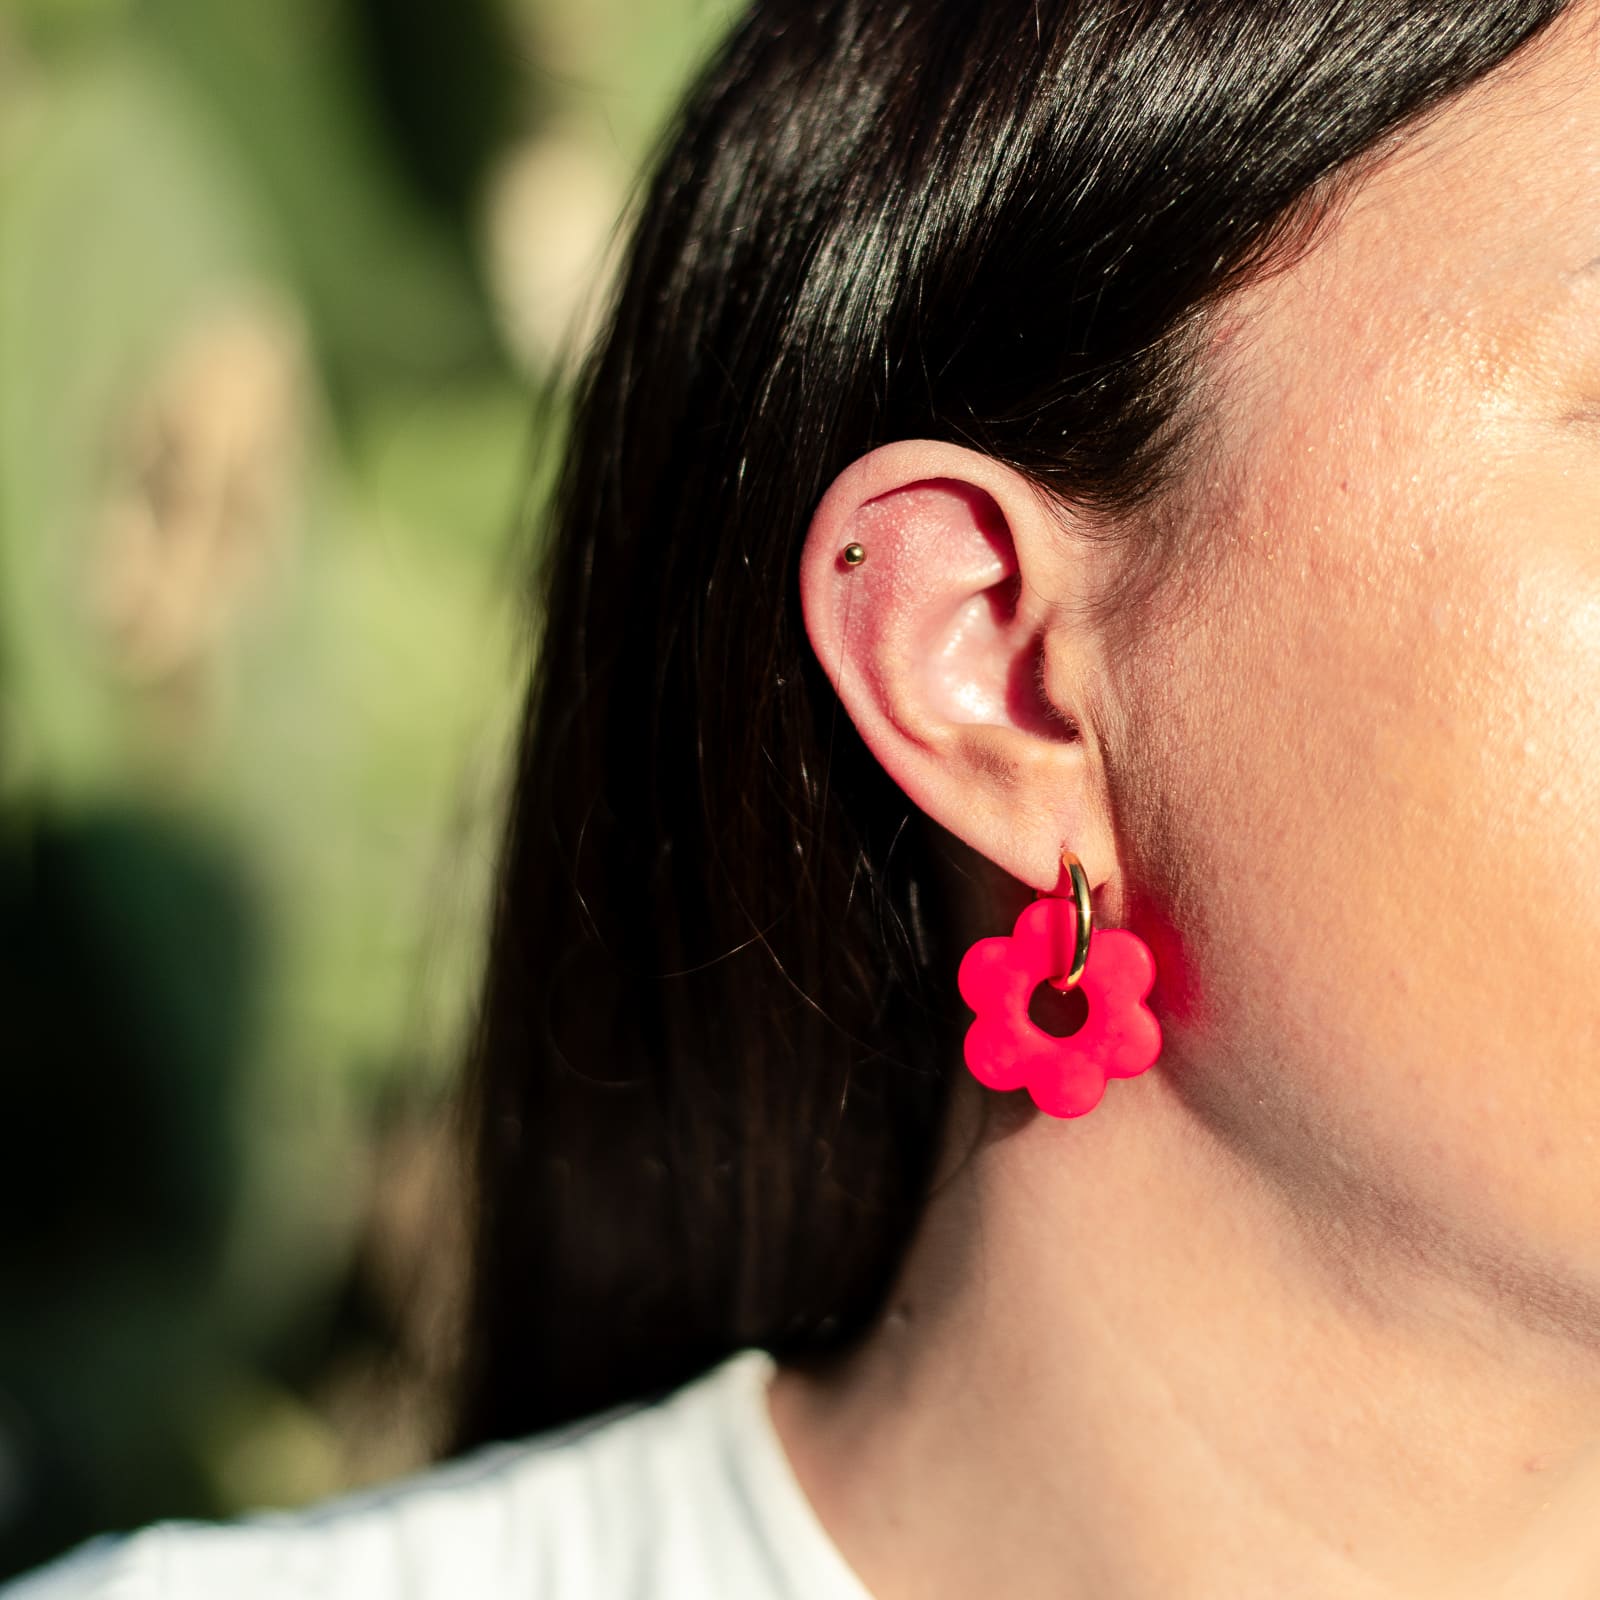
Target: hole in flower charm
[1006,1049]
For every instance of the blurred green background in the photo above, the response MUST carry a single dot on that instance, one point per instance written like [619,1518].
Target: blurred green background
[279,283]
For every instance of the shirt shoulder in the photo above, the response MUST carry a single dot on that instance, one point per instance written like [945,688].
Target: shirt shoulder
[688,1496]
[440,1531]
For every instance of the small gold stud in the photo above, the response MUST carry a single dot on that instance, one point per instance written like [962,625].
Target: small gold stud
[854,554]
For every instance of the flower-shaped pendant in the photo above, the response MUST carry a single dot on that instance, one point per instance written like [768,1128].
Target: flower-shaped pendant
[1006,1049]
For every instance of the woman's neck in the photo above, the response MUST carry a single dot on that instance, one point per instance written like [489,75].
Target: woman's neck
[1120,1364]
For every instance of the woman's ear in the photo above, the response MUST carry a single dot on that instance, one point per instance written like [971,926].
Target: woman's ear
[958,648]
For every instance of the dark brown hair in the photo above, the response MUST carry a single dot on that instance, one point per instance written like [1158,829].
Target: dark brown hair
[720,1014]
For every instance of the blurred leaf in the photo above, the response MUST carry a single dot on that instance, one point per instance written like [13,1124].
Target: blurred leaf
[390,293]
[117,1128]
[445,80]
[119,220]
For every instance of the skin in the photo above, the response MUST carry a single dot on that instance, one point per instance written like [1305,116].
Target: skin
[1311,1308]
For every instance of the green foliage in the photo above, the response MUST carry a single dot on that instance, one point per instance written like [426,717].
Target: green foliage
[268,278]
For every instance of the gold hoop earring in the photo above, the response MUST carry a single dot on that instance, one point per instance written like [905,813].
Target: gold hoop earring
[1084,921]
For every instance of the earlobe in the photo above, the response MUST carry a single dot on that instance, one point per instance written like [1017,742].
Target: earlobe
[927,580]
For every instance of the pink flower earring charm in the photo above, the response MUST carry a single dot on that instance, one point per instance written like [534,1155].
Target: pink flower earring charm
[1006,1049]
